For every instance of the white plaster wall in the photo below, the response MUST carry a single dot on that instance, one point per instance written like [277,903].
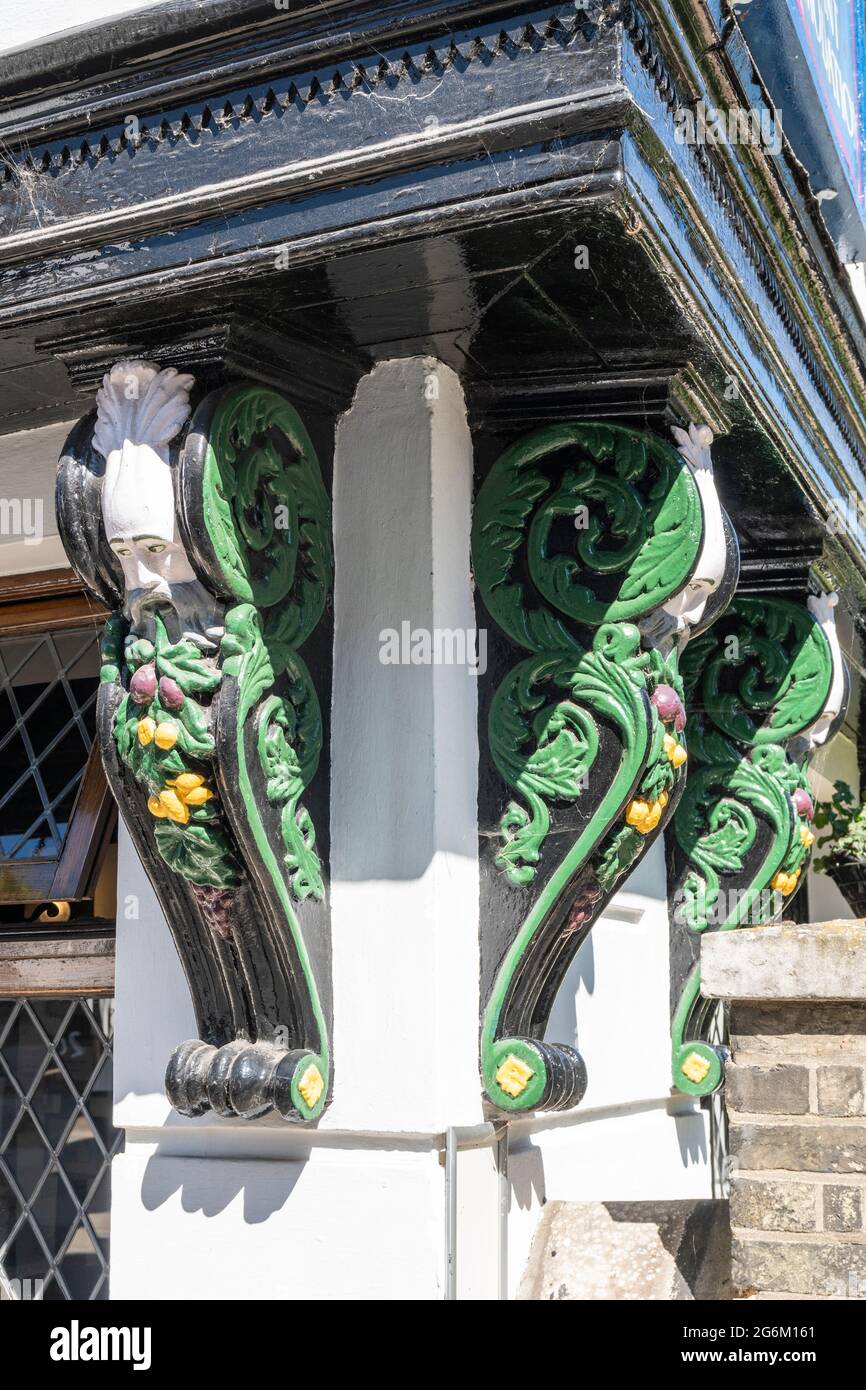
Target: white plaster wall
[30,21]
[28,470]
[340,1224]
[857,273]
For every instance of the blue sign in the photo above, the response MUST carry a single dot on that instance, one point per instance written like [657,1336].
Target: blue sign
[832,34]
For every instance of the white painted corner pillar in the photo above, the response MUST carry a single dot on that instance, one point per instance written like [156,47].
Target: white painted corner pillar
[356,1206]
[404,865]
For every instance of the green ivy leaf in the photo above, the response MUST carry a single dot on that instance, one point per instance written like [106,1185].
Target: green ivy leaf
[618,857]
[201,853]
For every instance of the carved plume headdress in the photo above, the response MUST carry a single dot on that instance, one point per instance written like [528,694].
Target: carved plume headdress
[140,409]
[139,404]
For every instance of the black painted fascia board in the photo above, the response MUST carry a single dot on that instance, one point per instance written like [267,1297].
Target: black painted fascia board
[175,52]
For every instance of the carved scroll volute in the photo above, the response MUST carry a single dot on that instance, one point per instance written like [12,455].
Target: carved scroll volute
[764,687]
[590,554]
[210,538]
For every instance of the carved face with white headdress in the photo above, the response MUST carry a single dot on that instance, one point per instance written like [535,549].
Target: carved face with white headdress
[140,410]
[822,607]
[687,607]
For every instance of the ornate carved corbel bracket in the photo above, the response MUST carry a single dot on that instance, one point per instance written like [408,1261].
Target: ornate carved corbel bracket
[764,687]
[208,535]
[596,550]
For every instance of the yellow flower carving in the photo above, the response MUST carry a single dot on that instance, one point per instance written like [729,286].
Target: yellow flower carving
[165,735]
[676,754]
[185,781]
[806,837]
[645,815]
[174,807]
[785,883]
[146,731]
[181,792]
[197,797]
[190,788]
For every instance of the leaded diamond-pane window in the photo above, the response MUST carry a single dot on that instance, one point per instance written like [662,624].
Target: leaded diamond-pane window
[48,686]
[56,1145]
[54,803]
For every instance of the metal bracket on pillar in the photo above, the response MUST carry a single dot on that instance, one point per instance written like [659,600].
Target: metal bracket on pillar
[597,549]
[208,535]
[764,687]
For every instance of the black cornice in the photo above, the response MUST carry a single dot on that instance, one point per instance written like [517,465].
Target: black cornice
[174,32]
[242,147]
[255,131]
[176,51]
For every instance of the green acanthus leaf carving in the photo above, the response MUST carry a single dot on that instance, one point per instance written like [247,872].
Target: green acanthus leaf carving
[245,654]
[544,747]
[289,745]
[730,833]
[194,736]
[639,518]
[621,848]
[502,514]
[760,677]
[139,650]
[289,737]
[577,526]
[769,678]
[716,826]
[266,512]
[659,775]
[523,834]
[184,663]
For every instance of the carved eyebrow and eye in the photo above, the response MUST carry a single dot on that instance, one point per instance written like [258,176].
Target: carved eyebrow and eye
[153,546]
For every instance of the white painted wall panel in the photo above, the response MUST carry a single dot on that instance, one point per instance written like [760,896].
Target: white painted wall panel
[344,1224]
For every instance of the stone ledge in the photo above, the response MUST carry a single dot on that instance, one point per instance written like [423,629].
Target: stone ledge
[665,1250]
[786,962]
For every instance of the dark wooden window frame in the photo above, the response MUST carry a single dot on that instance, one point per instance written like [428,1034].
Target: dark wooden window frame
[31,604]
[49,965]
